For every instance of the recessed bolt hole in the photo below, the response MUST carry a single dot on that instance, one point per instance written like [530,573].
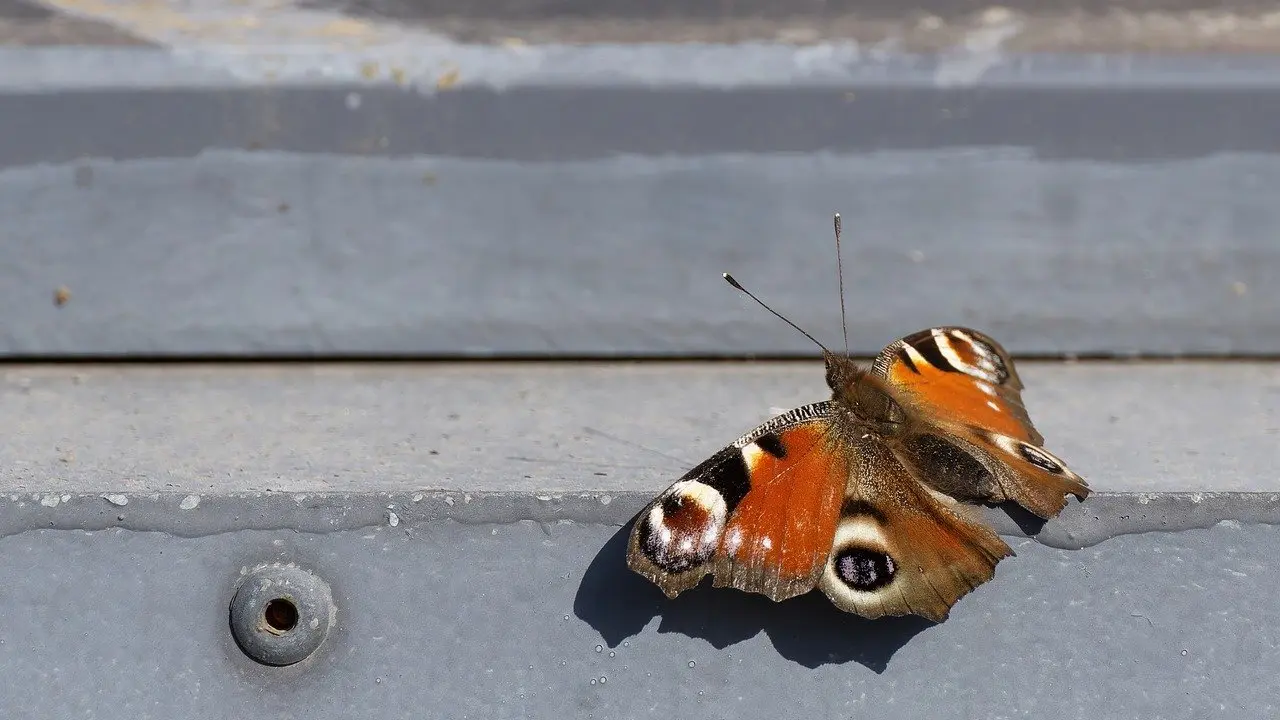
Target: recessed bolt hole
[280,616]
[280,613]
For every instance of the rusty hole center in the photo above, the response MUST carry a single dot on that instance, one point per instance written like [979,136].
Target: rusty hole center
[280,616]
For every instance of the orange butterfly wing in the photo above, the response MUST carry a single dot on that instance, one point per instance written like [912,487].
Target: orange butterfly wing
[977,441]
[760,515]
[963,375]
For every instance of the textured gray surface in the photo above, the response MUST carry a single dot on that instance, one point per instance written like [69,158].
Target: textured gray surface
[517,620]
[251,254]
[1104,515]
[467,516]
[209,429]
[225,201]
[773,9]
[955,26]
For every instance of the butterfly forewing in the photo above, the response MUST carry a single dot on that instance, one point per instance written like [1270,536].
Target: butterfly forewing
[778,539]
[961,374]
[760,514]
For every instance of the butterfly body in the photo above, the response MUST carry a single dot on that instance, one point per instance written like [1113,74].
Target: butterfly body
[868,495]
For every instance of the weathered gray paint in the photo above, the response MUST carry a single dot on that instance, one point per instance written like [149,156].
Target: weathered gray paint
[517,621]
[532,427]
[193,207]
[1104,515]
[777,10]
[260,254]
[468,517]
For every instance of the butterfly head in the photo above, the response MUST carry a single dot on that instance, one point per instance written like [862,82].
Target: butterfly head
[842,371]
[865,398]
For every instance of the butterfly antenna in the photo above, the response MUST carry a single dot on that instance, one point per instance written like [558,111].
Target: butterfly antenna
[729,278]
[844,325]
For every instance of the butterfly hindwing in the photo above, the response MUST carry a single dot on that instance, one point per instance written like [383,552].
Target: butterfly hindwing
[1014,469]
[759,515]
[975,440]
[899,549]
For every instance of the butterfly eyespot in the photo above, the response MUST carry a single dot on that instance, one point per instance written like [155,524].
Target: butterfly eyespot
[1037,457]
[683,528]
[1041,459]
[863,569]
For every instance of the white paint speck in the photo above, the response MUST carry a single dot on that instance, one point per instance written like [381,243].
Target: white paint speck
[66,498]
[393,518]
[448,500]
[189,502]
[353,101]
[417,497]
[605,499]
[116,499]
[50,500]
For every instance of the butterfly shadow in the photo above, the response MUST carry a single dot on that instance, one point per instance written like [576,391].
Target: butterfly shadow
[808,630]
[1028,522]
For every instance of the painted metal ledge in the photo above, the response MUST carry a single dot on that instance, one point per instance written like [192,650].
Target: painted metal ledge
[566,427]
[468,523]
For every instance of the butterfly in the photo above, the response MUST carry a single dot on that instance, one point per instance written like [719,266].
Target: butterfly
[871,495]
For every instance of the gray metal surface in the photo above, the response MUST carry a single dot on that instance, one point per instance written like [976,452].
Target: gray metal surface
[516,621]
[212,429]
[268,254]
[1103,516]
[469,520]
[316,179]
[226,201]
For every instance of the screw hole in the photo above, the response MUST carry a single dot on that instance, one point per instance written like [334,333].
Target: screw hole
[280,616]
